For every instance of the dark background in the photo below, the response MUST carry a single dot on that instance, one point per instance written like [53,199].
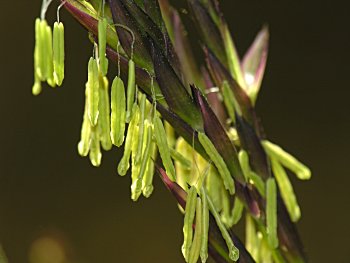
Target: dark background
[47,189]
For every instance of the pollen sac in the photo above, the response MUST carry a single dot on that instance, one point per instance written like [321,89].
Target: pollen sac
[58,53]
[147,186]
[218,161]
[197,239]
[85,137]
[93,92]
[95,150]
[161,139]
[188,221]
[48,53]
[118,111]
[141,127]
[205,227]
[123,165]
[271,212]
[104,114]
[146,154]
[43,56]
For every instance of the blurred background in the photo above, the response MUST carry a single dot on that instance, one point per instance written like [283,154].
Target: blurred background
[51,198]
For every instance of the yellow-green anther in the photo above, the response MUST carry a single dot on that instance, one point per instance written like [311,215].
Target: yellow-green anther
[48,54]
[229,101]
[258,182]
[244,161]
[145,160]
[237,211]
[271,212]
[197,239]
[42,50]
[252,238]
[85,137]
[102,39]
[36,89]
[147,186]
[131,90]
[287,160]
[123,165]
[233,250]
[161,139]
[265,253]
[141,127]
[218,161]
[104,115]
[38,50]
[58,53]
[135,167]
[249,174]
[118,114]
[188,221]
[286,189]
[95,151]
[205,227]
[93,92]
[187,164]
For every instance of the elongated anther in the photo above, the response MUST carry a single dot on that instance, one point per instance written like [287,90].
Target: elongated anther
[58,53]
[123,165]
[218,161]
[85,137]
[271,212]
[188,221]
[287,160]
[93,92]
[205,227]
[161,139]
[104,114]
[197,239]
[118,111]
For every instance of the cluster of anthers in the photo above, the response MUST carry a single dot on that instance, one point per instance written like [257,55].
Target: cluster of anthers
[209,184]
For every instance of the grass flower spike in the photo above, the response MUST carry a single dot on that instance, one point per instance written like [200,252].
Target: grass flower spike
[193,122]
